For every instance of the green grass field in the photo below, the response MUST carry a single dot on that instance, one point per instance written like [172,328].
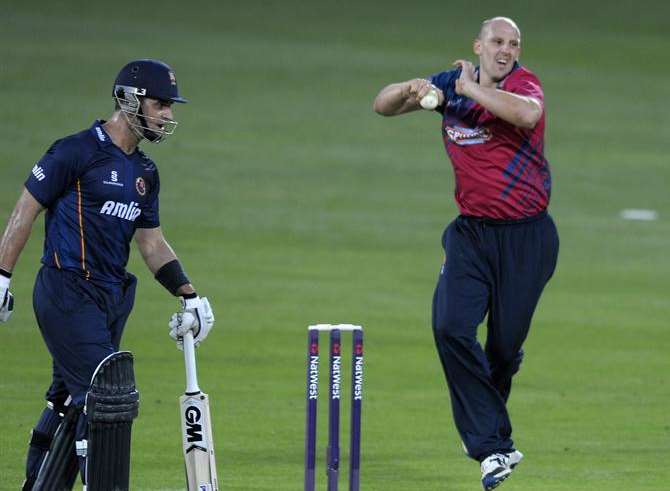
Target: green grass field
[290,202]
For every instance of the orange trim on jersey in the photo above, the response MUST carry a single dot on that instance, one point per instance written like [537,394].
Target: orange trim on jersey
[81,229]
[56,259]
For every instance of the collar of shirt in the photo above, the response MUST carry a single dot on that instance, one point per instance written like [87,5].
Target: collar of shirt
[105,142]
[499,84]
[101,136]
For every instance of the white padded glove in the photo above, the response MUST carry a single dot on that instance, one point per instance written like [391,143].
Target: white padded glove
[6,299]
[197,316]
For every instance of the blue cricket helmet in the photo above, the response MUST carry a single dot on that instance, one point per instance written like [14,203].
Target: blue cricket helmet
[149,78]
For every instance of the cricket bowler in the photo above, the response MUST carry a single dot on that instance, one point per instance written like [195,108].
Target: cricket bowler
[502,249]
[99,191]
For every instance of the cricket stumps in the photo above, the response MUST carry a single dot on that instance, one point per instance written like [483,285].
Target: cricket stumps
[335,386]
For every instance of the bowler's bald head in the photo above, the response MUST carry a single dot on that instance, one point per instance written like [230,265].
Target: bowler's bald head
[504,22]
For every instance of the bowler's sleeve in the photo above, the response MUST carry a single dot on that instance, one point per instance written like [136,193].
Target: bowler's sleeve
[54,172]
[526,84]
[445,82]
[149,218]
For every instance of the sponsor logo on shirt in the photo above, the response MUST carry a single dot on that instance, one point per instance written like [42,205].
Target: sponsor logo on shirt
[38,172]
[114,180]
[454,102]
[101,135]
[122,210]
[467,136]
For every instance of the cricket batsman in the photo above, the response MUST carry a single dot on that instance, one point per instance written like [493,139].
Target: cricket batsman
[99,191]
[502,249]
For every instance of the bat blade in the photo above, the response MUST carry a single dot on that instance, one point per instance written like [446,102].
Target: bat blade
[197,442]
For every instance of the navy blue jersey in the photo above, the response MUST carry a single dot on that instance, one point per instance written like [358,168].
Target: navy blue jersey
[95,196]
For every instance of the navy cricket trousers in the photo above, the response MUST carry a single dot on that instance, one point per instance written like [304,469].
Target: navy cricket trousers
[497,268]
[81,324]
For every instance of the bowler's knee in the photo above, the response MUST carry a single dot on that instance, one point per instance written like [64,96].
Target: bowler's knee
[507,360]
[452,331]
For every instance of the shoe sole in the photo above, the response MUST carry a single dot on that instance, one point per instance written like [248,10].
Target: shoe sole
[495,481]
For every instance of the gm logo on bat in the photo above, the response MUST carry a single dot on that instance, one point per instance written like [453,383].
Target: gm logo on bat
[192,417]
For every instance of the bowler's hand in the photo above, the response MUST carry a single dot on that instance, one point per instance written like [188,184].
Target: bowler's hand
[6,299]
[197,316]
[418,88]
[467,78]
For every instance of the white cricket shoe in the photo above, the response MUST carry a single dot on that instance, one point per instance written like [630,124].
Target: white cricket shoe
[514,458]
[495,469]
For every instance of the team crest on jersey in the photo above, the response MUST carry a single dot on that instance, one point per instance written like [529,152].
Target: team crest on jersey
[467,136]
[140,186]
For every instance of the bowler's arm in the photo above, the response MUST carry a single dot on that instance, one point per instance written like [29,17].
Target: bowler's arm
[521,111]
[19,227]
[403,97]
[156,253]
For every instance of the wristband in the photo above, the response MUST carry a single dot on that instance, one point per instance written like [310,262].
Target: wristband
[5,273]
[172,276]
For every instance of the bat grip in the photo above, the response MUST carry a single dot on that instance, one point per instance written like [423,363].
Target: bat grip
[189,360]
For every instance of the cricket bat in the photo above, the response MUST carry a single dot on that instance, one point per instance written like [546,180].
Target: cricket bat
[196,428]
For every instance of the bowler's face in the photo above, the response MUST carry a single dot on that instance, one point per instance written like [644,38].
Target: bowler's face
[498,48]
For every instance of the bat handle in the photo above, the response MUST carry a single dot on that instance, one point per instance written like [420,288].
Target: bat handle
[189,360]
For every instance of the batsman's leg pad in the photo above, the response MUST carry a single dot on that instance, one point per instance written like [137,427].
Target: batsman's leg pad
[59,469]
[111,405]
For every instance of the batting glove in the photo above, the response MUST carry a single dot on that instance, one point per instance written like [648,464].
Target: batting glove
[6,298]
[197,316]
